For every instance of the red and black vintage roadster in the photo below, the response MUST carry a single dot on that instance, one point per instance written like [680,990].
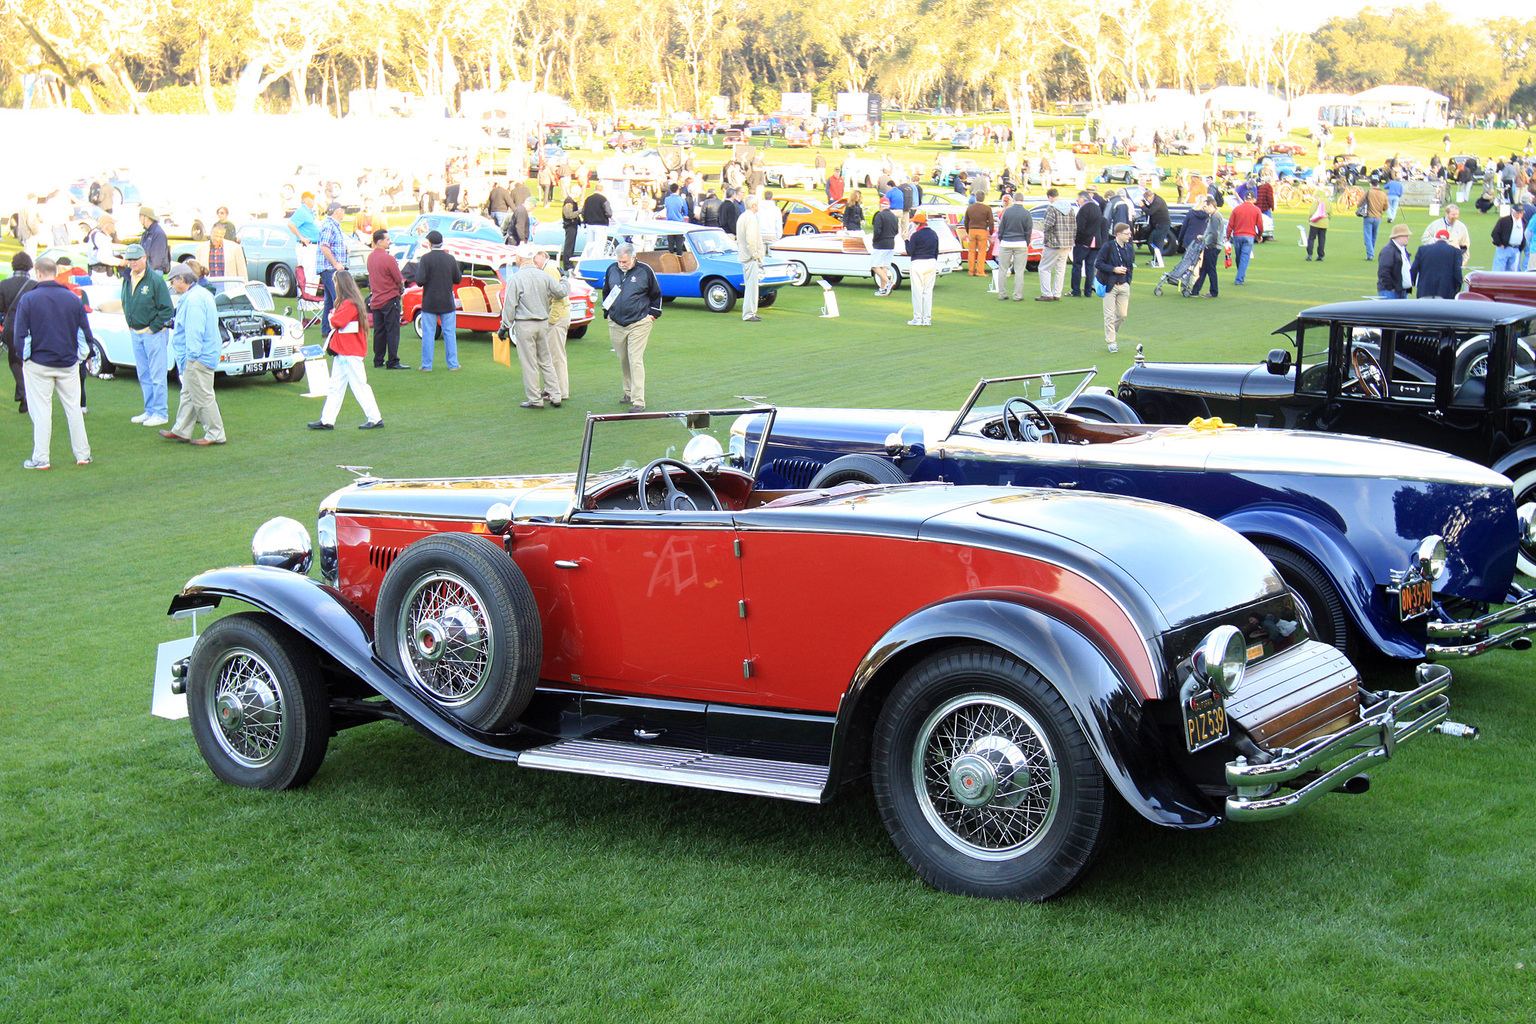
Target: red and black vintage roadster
[1009,668]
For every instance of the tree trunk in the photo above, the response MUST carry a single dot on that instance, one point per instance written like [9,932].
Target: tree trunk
[205,72]
[379,81]
[300,77]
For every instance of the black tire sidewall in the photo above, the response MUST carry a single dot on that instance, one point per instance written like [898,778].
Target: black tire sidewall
[306,709]
[1083,814]
[858,468]
[511,615]
[1330,619]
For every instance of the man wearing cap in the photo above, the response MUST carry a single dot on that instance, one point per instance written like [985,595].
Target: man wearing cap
[1394,267]
[1436,269]
[439,275]
[196,347]
[750,248]
[882,244]
[148,311]
[49,323]
[156,246]
[333,257]
[306,230]
[525,318]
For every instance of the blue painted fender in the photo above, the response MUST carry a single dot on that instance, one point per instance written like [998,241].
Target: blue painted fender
[1110,713]
[1327,547]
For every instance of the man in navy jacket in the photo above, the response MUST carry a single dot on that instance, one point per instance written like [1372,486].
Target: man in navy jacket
[50,325]
[1437,268]
[1394,266]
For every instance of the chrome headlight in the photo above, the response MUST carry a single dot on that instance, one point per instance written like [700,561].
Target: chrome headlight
[1431,557]
[498,517]
[330,553]
[1223,659]
[294,329]
[701,448]
[284,543]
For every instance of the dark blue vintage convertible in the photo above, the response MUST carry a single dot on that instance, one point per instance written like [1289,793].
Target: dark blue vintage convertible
[1396,551]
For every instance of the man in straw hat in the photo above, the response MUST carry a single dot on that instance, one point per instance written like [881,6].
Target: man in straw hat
[1394,266]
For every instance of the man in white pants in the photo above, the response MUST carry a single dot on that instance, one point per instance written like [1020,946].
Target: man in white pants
[49,322]
[749,238]
[1059,225]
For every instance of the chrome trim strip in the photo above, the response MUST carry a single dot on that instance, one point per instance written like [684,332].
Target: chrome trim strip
[784,780]
[1383,726]
[1509,636]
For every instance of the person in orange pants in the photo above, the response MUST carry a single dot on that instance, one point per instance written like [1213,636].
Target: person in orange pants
[978,234]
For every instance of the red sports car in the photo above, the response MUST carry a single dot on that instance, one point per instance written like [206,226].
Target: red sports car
[1010,669]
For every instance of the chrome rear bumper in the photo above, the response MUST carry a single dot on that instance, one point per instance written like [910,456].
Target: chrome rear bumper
[1384,725]
[1460,629]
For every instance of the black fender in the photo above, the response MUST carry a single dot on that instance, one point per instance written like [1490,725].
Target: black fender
[345,633]
[1110,712]
[1105,404]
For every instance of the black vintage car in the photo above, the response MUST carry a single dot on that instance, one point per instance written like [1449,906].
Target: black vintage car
[1457,376]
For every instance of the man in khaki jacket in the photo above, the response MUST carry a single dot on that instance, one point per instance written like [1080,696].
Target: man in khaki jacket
[222,257]
[749,239]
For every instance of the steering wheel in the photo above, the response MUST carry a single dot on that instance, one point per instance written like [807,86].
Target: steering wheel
[1368,371]
[1015,431]
[676,500]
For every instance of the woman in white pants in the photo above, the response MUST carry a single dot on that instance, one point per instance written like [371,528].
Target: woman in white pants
[349,344]
[923,249]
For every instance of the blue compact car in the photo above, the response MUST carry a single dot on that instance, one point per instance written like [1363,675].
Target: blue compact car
[691,261]
[1393,549]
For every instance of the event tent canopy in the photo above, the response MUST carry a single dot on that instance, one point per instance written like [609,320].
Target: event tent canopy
[1405,106]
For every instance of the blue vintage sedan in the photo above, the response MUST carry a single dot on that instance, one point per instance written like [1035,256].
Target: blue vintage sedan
[1395,550]
[403,242]
[691,261]
[271,255]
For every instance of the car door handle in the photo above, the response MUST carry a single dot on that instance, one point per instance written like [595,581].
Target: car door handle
[564,563]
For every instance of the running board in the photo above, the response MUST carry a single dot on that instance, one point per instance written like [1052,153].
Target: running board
[785,780]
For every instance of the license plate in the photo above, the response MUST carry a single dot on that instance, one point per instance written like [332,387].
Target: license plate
[1415,599]
[1205,720]
[250,369]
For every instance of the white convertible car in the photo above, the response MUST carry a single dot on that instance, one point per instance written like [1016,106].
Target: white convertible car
[834,255]
[256,339]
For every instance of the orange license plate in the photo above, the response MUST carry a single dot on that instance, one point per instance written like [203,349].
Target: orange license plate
[1415,599]
[1205,721]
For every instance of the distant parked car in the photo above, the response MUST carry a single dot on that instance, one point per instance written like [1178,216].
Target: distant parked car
[847,254]
[271,255]
[404,242]
[707,267]
[257,339]
[805,215]
[792,176]
[484,266]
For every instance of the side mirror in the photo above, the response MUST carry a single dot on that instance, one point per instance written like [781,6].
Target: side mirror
[1279,362]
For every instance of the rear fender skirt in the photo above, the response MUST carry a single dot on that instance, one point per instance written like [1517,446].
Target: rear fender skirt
[1341,563]
[344,632]
[1129,747]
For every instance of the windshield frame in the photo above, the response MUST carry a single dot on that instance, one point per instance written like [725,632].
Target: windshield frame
[584,469]
[1088,372]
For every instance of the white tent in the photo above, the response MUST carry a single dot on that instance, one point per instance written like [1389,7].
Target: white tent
[1323,108]
[1169,110]
[1405,106]
[1244,99]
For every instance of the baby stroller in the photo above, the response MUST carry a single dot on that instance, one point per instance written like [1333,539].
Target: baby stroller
[1184,272]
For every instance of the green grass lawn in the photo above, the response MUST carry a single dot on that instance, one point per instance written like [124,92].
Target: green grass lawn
[411,882]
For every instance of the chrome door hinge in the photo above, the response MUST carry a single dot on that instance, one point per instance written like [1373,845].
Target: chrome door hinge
[738,547]
[746,669]
[741,608]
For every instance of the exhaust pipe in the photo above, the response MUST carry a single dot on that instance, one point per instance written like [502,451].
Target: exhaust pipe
[1356,785]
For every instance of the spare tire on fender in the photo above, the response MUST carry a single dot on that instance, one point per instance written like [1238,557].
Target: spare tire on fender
[457,619]
[858,469]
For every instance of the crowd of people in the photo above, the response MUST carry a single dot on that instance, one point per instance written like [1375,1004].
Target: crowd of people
[1085,251]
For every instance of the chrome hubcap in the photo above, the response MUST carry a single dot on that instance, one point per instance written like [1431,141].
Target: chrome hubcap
[445,642]
[985,776]
[247,705]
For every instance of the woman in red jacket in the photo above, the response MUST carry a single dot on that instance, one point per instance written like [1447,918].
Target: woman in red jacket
[348,344]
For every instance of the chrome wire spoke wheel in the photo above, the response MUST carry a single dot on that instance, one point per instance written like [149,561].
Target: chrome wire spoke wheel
[985,776]
[444,637]
[245,705]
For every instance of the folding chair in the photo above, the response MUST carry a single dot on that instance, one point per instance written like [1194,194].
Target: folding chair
[311,300]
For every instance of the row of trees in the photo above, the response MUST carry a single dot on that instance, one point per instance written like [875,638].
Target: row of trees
[105,54]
